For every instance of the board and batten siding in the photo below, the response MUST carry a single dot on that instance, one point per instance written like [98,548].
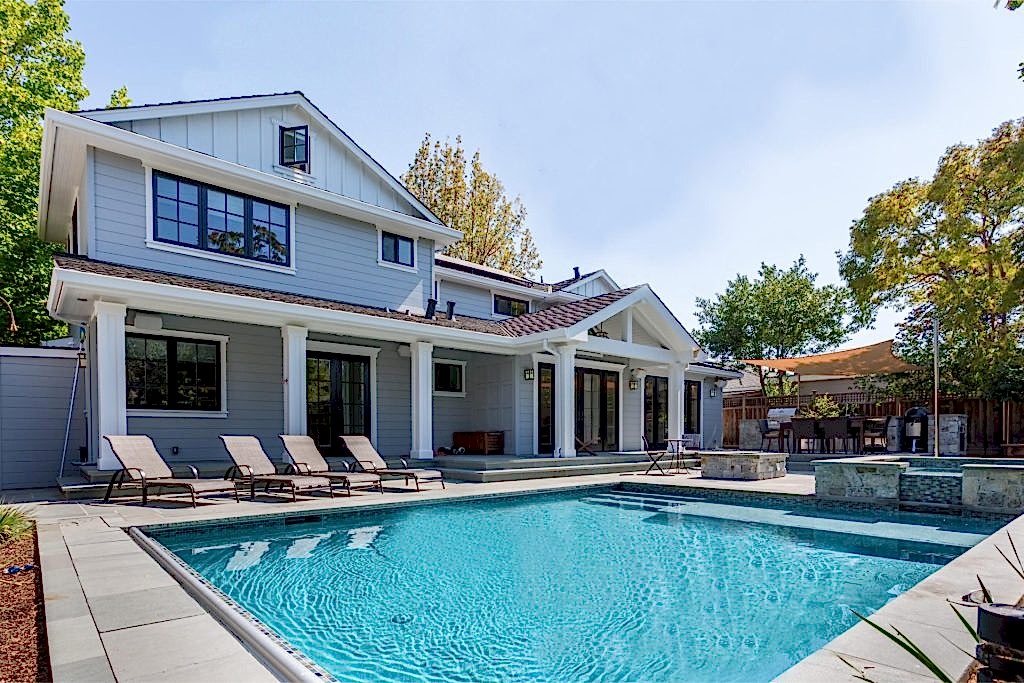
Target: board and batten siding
[334,257]
[249,137]
[711,415]
[34,395]
[489,403]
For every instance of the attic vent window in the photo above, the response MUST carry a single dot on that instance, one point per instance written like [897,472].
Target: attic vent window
[295,148]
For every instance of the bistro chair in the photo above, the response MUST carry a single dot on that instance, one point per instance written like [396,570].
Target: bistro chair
[834,430]
[768,435]
[805,429]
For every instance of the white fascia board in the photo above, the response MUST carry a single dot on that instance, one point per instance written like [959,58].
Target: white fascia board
[596,275]
[155,111]
[614,347]
[174,299]
[703,371]
[204,167]
[283,100]
[483,282]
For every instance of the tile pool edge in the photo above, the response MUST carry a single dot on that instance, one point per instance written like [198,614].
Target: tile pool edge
[284,661]
[925,616]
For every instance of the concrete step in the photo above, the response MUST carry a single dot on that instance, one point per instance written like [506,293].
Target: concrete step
[522,473]
[506,462]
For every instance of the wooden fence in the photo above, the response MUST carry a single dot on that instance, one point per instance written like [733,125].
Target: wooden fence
[989,423]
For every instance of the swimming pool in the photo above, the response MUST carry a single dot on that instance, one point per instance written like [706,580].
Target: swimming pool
[592,585]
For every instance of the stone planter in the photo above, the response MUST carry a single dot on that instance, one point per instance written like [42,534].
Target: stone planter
[993,488]
[745,465]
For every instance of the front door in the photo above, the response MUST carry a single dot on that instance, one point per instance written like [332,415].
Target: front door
[337,399]
[545,408]
[597,410]
[656,412]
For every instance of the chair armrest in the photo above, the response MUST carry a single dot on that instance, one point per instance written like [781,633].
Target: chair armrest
[243,471]
[141,473]
[302,468]
[363,466]
[405,464]
[193,470]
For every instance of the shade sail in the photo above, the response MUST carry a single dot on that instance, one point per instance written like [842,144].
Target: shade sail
[876,359]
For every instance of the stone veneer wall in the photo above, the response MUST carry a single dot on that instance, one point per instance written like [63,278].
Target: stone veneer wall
[748,466]
[859,480]
[993,488]
[942,488]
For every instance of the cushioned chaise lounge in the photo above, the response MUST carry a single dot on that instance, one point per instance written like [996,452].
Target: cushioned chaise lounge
[360,448]
[252,465]
[142,465]
[307,459]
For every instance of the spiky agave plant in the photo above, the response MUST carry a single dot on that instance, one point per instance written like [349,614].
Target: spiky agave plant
[14,523]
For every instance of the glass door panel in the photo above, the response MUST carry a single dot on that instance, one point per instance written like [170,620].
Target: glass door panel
[656,411]
[546,408]
[337,399]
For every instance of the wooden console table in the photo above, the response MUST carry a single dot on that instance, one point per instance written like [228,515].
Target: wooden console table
[480,443]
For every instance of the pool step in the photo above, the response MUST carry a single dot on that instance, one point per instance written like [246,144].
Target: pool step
[541,472]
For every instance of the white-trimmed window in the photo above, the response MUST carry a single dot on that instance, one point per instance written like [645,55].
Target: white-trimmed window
[294,147]
[398,250]
[170,373]
[510,306]
[449,377]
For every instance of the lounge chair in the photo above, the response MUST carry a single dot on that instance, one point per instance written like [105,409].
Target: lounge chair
[360,448]
[143,466]
[306,459]
[252,465]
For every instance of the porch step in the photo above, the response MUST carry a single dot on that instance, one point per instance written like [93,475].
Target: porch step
[543,472]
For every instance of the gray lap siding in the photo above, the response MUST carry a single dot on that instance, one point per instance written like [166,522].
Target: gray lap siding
[334,257]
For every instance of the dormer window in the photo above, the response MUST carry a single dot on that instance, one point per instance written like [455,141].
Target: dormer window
[295,147]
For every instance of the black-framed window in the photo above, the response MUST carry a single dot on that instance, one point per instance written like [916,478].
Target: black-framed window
[691,397]
[506,305]
[397,249]
[172,373]
[295,147]
[449,377]
[211,218]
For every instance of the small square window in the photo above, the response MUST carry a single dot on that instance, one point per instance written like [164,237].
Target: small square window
[449,378]
[295,147]
[506,305]
[397,249]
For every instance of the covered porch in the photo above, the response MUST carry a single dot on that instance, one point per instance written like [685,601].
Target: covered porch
[185,360]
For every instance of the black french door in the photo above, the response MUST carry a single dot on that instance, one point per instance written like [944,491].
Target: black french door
[656,411]
[337,399]
[692,398]
[545,408]
[597,410]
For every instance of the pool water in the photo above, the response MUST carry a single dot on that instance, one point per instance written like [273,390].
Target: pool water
[558,587]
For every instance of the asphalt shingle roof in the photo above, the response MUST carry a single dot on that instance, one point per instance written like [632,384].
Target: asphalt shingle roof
[556,317]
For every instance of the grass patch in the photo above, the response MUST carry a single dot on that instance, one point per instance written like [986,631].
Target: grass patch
[14,523]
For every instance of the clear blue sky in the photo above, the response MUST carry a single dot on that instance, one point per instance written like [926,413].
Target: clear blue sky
[675,144]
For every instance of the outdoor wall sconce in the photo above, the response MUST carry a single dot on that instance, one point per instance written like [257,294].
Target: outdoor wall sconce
[714,391]
[529,374]
[81,359]
[634,383]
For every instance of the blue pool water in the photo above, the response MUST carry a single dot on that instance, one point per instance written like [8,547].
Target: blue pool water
[584,586]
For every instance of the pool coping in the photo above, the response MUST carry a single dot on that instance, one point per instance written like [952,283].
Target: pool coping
[859,643]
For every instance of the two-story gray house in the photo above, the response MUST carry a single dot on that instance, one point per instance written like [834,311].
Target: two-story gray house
[242,266]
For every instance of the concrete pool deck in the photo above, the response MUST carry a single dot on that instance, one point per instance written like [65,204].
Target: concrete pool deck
[114,614]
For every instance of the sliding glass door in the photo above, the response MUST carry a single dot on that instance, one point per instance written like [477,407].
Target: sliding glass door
[597,410]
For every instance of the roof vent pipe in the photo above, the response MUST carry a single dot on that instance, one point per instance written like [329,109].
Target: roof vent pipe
[575,272]
[451,310]
[431,309]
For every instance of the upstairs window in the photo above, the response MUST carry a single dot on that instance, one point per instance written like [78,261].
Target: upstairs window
[397,249]
[506,305]
[295,147]
[204,217]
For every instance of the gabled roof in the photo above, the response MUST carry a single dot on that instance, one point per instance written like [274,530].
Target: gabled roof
[464,266]
[293,98]
[562,315]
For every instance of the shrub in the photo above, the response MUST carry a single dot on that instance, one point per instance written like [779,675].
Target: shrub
[14,523]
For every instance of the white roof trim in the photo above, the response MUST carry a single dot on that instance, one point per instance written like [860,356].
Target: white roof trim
[296,99]
[673,334]
[596,275]
[84,131]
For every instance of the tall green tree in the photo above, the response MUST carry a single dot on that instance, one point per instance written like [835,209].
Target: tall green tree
[951,247]
[779,314]
[466,197]
[40,67]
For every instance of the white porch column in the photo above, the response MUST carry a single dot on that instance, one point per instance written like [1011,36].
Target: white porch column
[110,414]
[676,404]
[422,400]
[293,342]
[565,402]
